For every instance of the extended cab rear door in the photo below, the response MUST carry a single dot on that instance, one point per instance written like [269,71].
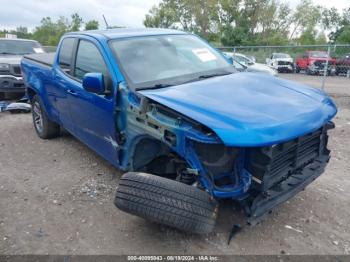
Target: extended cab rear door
[57,90]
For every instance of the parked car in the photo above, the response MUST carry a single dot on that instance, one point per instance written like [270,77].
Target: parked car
[170,110]
[249,65]
[342,64]
[314,62]
[11,52]
[281,62]
[251,58]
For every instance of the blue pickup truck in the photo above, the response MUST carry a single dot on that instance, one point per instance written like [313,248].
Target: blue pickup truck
[171,111]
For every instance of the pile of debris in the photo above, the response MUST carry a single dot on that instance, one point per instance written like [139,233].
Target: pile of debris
[20,106]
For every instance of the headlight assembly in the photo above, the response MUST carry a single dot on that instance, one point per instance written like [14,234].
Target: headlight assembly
[4,67]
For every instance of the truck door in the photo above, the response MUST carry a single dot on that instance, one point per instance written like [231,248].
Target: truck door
[93,114]
[57,91]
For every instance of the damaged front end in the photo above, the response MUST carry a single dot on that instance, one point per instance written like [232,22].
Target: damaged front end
[282,170]
[161,141]
[261,178]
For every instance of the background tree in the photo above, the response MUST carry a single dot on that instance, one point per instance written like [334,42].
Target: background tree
[91,25]
[252,22]
[76,23]
[162,17]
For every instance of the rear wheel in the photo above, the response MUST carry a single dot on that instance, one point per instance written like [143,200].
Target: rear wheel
[297,69]
[44,127]
[166,201]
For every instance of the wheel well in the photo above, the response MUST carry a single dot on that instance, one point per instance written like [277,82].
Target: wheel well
[155,157]
[31,93]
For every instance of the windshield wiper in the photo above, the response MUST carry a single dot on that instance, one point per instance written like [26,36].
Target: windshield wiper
[198,78]
[156,86]
[7,53]
[206,76]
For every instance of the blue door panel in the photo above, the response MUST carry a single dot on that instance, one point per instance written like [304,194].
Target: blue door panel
[93,117]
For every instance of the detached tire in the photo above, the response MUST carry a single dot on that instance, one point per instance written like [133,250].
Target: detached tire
[44,127]
[167,202]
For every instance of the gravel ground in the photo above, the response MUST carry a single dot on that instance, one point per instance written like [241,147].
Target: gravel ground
[56,197]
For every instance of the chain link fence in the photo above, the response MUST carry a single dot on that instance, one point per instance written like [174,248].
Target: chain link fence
[324,63]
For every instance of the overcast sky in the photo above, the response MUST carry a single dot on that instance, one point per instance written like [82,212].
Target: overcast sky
[14,13]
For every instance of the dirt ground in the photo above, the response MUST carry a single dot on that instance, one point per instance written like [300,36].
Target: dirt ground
[56,197]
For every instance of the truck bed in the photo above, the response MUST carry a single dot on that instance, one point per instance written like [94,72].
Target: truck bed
[44,58]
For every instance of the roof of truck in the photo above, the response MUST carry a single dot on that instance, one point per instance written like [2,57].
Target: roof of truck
[129,32]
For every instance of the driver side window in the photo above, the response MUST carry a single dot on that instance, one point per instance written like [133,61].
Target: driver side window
[89,60]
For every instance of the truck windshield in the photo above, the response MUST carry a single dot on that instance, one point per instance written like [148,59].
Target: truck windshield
[165,60]
[280,55]
[19,47]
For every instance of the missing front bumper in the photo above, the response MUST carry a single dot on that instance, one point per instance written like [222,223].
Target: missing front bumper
[264,202]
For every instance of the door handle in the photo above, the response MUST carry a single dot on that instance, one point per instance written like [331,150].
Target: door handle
[72,92]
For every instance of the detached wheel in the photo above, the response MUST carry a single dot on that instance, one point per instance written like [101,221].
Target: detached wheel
[167,202]
[44,127]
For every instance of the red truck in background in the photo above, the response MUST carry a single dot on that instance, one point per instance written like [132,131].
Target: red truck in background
[314,62]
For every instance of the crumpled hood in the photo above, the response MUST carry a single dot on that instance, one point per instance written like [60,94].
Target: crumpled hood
[247,109]
[10,59]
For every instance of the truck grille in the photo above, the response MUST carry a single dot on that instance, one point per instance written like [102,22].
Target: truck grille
[284,63]
[16,69]
[271,165]
[322,63]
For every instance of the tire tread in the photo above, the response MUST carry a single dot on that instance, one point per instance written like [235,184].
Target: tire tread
[167,202]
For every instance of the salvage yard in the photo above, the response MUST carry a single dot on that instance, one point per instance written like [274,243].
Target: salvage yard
[56,197]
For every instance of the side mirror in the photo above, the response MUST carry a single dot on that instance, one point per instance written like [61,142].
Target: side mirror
[94,83]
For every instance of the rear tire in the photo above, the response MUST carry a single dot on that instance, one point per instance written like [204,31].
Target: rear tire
[44,127]
[167,202]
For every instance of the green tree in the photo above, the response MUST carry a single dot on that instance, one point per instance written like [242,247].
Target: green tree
[49,32]
[161,17]
[305,18]
[22,32]
[321,38]
[91,25]
[233,22]
[76,23]
[342,34]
